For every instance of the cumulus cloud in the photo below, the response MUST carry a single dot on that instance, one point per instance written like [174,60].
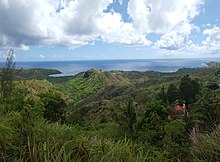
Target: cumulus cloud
[175,22]
[211,45]
[213,37]
[120,1]
[42,56]
[172,41]
[162,16]
[115,31]
[176,39]
[67,23]
[73,23]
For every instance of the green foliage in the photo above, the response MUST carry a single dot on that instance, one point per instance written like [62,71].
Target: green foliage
[7,78]
[162,95]
[80,88]
[151,125]
[33,88]
[172,93]
[189,89]
[21,130]
[212,86]
[176,139]
[55,142]
[207,147]
[158,108]
[151,130]
[6,136]
[207,111]
[54,106]
[130,115]
[166,136]
[25,135]
[35,73]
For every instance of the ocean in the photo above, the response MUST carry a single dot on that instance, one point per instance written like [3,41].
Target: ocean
[74,67]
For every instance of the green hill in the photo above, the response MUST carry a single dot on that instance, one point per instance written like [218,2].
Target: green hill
[83,85]
[94,95]
[98,95]
[34,73]
[112,116]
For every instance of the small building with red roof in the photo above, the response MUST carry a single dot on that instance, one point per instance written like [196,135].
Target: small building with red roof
[180,108]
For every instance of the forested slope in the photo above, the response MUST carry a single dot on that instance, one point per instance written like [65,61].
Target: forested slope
[110,116]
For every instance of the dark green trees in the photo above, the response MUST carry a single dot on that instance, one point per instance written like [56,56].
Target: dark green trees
[212,86]
[162,95]
[189,88]
[130,115]
[7,78]
[6,82]
[54,106]
[207,111]
[187,91]
[172,93]
[151,125]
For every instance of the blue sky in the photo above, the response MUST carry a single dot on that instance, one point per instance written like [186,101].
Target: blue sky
[109,29]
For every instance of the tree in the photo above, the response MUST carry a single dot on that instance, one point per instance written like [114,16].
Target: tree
[130,115]
[172,93]
[212,86]
[54,106]
[162,95]
[158,108]
[207,111]
[176,140]
[151,125]
[7,78]
[189,89]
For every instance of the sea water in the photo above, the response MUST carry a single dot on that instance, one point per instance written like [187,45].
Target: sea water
[75,67]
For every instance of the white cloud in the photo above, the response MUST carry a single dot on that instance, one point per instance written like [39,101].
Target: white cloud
[211,45]
[176,39]
[42,56]
[73,23]
[176,23]
[67,23]
[172,41]
[169,17]
[115,31]
[162,16]
[120,2]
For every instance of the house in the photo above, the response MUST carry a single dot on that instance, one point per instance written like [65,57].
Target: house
[180,108]
[179,112]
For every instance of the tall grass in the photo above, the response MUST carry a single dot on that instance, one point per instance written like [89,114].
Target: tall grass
[207,147]
[53,142]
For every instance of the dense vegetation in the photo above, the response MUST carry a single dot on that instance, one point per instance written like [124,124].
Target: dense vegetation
[109,116]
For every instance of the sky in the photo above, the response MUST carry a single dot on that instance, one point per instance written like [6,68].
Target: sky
[46,30]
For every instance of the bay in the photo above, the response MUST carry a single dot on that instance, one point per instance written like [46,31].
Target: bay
[74,67]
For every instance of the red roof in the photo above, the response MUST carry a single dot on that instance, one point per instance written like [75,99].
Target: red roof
[178,107]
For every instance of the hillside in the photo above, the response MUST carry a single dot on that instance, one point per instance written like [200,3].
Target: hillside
[35,73]
[98,94]
[109,81]
[111,115]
